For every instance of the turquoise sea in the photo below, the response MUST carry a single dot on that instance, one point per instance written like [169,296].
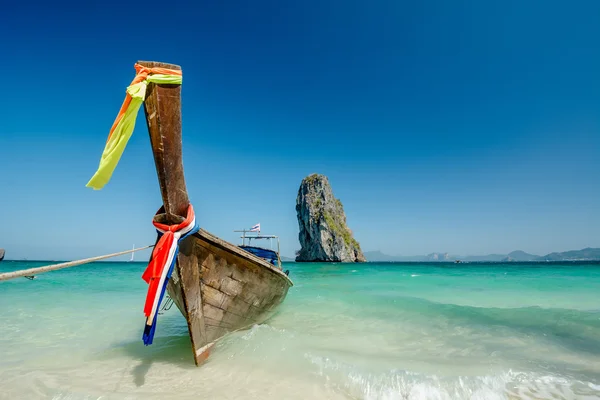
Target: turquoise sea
[345,331]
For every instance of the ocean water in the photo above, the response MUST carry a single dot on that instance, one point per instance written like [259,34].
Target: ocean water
[358,331]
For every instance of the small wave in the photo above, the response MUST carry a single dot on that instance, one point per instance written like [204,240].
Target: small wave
[257,328]
[595,387]
[413,275]
[405,385]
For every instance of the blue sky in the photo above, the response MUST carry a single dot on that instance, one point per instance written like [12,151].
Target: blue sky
[465,127]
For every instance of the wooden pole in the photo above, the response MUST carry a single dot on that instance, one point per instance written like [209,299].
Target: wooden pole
[162,107]
[38,270]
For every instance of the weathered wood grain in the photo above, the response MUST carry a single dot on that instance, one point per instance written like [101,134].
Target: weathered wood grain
[238,289]
[163,116]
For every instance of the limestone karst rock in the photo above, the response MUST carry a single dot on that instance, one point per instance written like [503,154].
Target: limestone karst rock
[324,235]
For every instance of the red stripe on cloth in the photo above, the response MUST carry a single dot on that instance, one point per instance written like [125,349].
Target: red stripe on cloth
[155,268]
[174,228]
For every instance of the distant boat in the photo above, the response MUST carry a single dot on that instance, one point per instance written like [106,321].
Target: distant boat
[131,259]
[1,254]
[269,254]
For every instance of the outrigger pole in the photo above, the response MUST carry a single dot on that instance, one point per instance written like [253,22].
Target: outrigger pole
[38,270]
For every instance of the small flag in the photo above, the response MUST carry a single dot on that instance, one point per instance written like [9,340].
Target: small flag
[255,228]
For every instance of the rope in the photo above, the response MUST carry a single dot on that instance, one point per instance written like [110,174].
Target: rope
[32,271]
[166,306]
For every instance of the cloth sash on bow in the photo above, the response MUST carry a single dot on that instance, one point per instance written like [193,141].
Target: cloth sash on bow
[122,128]
[161,266]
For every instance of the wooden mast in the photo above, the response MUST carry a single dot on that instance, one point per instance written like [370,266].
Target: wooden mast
[163,116]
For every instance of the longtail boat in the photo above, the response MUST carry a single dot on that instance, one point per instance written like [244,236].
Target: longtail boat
[217,286]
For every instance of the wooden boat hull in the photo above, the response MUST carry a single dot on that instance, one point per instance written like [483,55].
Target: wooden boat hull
[237,290]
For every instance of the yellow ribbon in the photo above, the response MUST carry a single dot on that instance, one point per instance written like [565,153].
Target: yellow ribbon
[122,132]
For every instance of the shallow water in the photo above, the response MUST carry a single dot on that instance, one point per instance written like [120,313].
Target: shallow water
[358,331]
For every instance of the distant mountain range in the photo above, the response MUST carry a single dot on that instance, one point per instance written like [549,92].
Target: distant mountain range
[573,255]
[586,254]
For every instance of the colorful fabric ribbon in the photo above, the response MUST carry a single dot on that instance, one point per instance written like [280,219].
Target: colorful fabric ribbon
[161,266]
[122,128]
